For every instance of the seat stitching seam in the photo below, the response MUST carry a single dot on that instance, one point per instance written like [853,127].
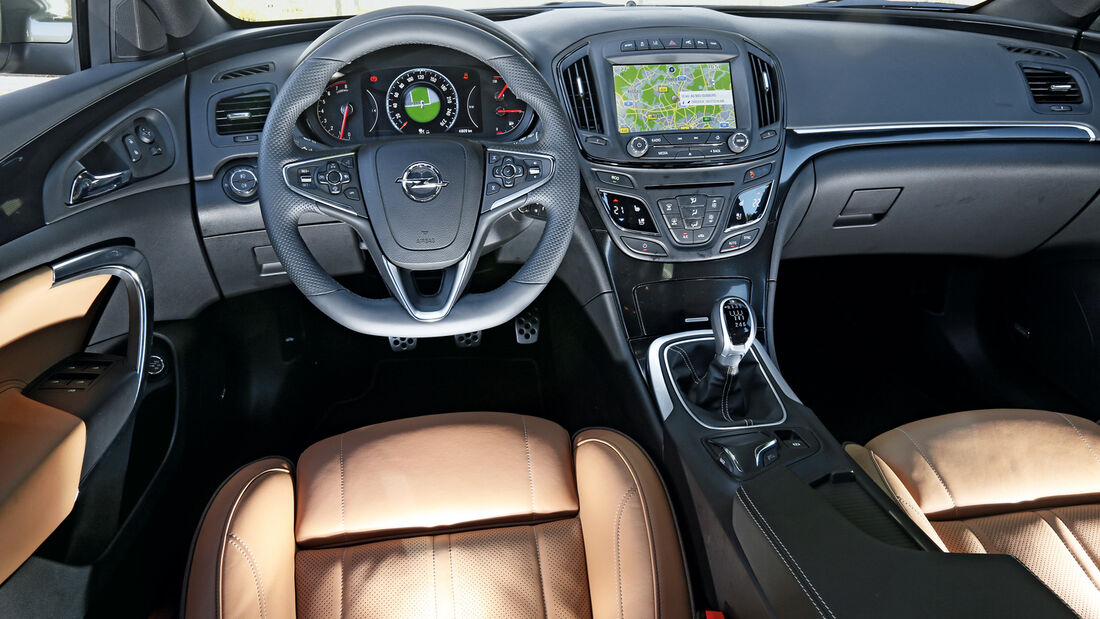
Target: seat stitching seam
[900,499]
[530,474]
[435,585]
[1068,549]
[780,555]
[1080,436]
[257,577]
[542,575]
[650,533]
[928,461]
[451,570]
[691,366]
[618,546]
[343,576]
[340,457]
[789,553]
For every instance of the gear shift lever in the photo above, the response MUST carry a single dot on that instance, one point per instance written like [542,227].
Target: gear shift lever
[734,332]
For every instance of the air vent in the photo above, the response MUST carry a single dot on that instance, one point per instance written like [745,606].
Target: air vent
[255,69]
[243,113]
[582,97]
[1031,51]
[1051,87]
[767,91]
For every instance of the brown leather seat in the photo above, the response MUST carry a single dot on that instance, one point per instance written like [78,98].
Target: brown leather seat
[458,515]
[1018,482]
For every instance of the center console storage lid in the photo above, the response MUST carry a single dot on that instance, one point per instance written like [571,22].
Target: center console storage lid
[811,561]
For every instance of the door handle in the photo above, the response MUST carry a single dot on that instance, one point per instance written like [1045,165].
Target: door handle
[87,185]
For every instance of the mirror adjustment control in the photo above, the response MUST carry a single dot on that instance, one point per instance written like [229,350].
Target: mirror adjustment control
[241,183]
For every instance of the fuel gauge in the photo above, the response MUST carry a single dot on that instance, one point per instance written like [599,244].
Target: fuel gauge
[506,112]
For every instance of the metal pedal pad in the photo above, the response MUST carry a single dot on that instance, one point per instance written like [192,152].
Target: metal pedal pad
[468,340]
[401,344]
[527,327]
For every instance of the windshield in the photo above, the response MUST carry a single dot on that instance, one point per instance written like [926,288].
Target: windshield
[283,10]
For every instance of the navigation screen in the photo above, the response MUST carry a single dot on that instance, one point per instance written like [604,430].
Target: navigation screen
[673,97]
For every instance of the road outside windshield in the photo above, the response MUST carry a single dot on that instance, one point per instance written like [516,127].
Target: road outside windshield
[283,10]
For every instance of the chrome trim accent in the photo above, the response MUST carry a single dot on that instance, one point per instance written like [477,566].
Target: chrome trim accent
[728,354]
[761,448]
[659,378]
[393,274]
[1088,131]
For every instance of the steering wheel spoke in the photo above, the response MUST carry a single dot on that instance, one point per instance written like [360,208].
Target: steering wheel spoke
[332,180]
[431,307]
[512,174]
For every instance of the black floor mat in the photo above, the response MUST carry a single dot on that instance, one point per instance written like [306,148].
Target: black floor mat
[421,386]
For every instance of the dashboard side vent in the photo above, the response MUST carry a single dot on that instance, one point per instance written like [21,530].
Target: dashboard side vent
[1052,87]
[243,113]
[767,91]
[582,96]
[1031,51]
[255,69]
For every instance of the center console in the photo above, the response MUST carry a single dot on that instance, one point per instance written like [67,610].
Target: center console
[681,134]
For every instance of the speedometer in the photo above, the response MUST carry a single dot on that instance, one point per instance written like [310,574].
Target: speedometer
[422,101]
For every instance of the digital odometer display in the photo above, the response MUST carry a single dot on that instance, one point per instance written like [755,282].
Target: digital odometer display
[422,101]
[673,97]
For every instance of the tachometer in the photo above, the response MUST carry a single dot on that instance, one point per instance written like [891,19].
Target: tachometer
[422,101]
[339,109]
[507,110]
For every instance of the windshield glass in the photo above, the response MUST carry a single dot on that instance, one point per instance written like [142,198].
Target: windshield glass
[283,10]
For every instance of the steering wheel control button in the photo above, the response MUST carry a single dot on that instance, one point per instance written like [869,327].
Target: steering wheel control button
[614,178]
[240,183]
[511,175]
[637,146]
[629,213]
[328,180]
[758,172]
[648,247]
[738,142]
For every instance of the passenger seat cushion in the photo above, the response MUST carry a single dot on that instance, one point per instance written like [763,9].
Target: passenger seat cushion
[635,563]
[243,560]
[432,474]
[987,462]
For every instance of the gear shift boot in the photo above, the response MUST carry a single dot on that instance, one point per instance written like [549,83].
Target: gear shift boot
[722,396]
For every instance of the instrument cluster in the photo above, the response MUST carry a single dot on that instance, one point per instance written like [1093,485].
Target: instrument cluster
[363,103]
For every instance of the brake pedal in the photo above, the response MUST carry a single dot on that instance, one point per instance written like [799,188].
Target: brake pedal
[527,327]
[468,340]
[401,344]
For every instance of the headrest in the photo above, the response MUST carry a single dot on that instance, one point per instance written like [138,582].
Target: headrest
[980,463]
[433,474]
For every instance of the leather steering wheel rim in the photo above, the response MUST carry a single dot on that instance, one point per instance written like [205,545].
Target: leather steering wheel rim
[282,208]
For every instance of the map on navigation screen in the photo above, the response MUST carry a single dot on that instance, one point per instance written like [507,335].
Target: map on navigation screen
[673,97]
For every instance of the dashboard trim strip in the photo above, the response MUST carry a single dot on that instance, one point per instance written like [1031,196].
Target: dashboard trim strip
[1088,131]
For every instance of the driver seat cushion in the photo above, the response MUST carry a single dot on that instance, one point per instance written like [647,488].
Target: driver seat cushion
[1007,481]
[456,515]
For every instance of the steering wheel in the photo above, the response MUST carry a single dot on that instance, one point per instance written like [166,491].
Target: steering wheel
[427,203]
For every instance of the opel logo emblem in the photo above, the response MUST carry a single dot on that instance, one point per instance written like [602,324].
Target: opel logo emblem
[422,182]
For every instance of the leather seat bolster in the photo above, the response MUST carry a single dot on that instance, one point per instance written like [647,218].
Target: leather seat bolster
[635,564]
[41,452]
[243,560]
[886,479]
[985,462]
[433,474]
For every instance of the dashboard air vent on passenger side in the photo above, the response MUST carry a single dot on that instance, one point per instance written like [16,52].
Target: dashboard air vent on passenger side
[767,91]
[1031,51]
[1052,87]
[582,96]
[255,69]
[243,113]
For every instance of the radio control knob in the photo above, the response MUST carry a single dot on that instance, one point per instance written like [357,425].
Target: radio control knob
[738,142]
[637,146]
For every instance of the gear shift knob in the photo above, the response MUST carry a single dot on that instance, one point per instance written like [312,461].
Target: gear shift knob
[734,331]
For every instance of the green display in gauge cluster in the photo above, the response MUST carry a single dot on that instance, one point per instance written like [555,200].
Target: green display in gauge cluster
[422,104]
